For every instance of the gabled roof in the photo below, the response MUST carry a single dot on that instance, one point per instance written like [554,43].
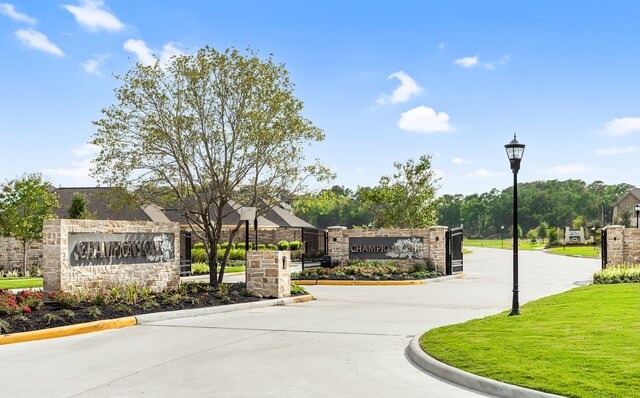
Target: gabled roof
[635,192]
[98,205]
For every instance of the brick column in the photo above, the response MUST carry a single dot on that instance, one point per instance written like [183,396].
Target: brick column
[268,273]
[615,244]
[338,245]
[437,247]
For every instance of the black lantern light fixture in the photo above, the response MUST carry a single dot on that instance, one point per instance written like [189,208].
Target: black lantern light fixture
[515,150]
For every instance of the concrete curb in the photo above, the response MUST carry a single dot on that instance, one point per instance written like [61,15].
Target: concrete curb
[374,283]
[118,323]
[170,315]
[70,330]
[468,380]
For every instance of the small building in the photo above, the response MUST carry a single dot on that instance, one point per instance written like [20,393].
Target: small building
[625,204]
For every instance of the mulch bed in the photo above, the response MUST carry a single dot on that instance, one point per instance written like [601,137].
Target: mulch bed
[193,295]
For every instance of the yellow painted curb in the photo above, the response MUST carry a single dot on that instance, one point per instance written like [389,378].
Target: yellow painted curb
[367,283]
[70,330]
[303,299]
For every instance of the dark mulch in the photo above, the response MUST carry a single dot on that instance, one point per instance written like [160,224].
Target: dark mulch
[191,295]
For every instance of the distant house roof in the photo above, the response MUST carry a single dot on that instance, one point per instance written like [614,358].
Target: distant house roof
[98,204]
[635,192]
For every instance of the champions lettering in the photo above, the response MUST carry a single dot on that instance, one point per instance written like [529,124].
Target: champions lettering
[370,248]
[87,250]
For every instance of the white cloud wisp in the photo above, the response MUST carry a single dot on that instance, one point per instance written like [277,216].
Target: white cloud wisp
[9,10]
[145,54]
[621,126]
[92,65]
[38,41]
[91,16]
[408,88]
[616,150]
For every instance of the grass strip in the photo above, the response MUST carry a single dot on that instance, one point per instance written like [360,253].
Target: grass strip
[507,243]
[582,343]
[20,283]
[585,251]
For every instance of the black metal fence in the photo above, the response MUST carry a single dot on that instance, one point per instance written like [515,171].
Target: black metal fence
[454,258]
[185,253]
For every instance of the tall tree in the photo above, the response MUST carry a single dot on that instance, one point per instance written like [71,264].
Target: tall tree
[407,198]
[203,132]
[25,203]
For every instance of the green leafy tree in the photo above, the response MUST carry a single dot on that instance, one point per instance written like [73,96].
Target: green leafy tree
[25,203]
[203,133]
[543,231]
[553,236]
[335,206]
[407,198]
[78,208]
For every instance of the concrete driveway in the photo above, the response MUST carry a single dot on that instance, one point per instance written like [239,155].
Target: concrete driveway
[349,342]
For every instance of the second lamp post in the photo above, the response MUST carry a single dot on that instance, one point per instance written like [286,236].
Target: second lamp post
[515,150]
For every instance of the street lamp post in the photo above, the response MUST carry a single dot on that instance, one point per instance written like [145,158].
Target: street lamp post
[246,214]
[515,150]
[637,209]
[502,236]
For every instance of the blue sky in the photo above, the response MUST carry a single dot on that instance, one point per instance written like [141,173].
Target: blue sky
[385,80]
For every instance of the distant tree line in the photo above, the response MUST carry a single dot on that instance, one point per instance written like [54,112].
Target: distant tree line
[551,203]
[542,207]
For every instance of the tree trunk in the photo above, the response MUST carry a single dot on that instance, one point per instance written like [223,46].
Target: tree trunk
[24,258]
[232,234]
[213,265]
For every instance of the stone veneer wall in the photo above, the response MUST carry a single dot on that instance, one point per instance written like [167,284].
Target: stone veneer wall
[268,273]
[433,238]
[623,245]
[60,275]
[11,254]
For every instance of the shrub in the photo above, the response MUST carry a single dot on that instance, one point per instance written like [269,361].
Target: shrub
[283,245]
[8,304]
[295,245]
[94,312]
[261,246]
[295,289]
[64,299]
[272,247]
[198,245]
[553,236]
[29,299]
[198,255]
[199,268]
[623,273]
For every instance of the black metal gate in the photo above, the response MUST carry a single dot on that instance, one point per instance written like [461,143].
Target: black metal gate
[314,246]
[603,247]
[185,253]
[454,260]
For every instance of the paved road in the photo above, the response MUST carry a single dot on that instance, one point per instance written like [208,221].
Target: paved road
[349,342]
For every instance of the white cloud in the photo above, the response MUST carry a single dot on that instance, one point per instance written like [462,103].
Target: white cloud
[621,126]
[424,120]
[484,173]
[85,150]
[568,169]
[78,172]
[92,65]
[408,88]
[92,17]
[439,174]
[460,161]
[36,40]
[145,54]
[10,11]
[467,62]
[441,46]
[616,150]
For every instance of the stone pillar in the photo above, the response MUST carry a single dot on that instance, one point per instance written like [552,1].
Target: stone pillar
[615,244]
[437,247]
[268,273]
[631,245]
[338,245]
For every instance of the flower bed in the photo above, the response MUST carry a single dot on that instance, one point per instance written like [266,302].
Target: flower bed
[26,311]
[368,271]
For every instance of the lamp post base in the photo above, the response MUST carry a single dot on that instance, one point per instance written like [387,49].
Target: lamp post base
[514,312]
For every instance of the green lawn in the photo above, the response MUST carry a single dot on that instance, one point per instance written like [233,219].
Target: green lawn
[586,251]
[523,244]
[20,283]
[582,343]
